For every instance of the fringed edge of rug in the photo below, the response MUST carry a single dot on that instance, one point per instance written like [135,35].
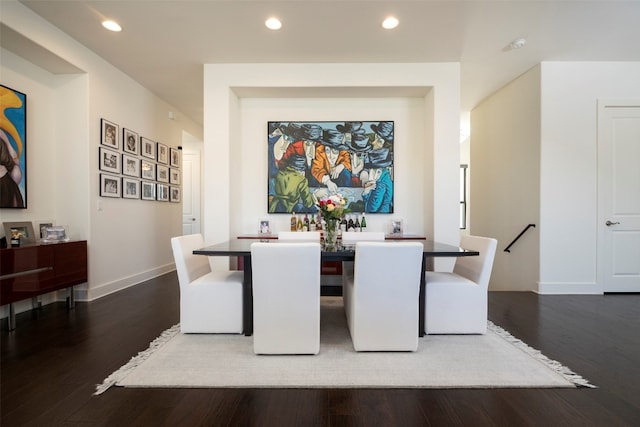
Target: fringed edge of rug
[554,365]
[136,360]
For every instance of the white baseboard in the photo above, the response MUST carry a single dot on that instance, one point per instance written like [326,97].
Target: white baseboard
[568,288]
[95,292]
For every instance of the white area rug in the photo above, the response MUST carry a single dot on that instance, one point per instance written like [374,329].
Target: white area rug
[496,359]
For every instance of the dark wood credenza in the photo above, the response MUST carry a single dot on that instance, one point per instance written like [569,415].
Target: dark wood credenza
[35,269]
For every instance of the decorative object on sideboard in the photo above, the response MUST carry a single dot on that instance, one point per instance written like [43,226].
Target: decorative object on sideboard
[56,233]
[42,227]
[19,232]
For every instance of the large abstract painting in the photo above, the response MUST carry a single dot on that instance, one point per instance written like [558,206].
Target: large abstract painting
[13,148]
[309,161]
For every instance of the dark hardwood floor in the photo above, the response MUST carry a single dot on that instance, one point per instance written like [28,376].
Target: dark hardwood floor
[53,360]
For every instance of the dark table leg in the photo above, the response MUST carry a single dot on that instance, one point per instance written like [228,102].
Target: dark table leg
[247,298]
[421,301]
[427,265]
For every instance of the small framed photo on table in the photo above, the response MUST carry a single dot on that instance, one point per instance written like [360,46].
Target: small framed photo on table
[19,231]
[43,228]
[264,227]
[396,227]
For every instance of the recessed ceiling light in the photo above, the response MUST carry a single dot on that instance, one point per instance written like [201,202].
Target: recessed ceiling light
[390,23]
[273,24]
[111,25]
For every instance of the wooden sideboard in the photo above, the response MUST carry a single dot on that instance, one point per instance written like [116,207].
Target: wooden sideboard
[35,269]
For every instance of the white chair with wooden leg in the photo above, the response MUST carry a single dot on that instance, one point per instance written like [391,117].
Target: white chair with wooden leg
[456,303]
[210,301]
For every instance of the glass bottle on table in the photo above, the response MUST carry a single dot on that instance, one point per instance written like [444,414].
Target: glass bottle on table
[312,223]
[305,223]
[350,225]
[363,223]
[293,221]
[299,224]
[343,224]
[356,225]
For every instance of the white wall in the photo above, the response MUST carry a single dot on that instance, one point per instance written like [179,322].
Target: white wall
[543,126]
[504,178]
[240,99]
[128,239]
[568,188]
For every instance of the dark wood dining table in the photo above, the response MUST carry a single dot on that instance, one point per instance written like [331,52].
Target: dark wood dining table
[340,252]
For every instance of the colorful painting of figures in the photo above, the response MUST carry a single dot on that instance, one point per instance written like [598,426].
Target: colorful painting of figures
[309,161]
[13,147]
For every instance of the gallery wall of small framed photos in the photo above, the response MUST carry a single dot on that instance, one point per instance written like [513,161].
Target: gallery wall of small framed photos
[135,167]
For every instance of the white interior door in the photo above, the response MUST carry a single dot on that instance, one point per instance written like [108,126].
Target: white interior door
[191,220]
[619,196]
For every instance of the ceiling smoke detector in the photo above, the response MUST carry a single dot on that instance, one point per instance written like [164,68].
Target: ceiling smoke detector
[517,44]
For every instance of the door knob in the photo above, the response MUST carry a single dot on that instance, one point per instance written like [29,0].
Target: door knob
[609,223]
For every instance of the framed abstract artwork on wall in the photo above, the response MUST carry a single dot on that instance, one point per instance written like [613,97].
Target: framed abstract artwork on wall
[309,161]
[13,148]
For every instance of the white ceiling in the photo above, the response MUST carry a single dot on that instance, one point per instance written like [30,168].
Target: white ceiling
[164,44]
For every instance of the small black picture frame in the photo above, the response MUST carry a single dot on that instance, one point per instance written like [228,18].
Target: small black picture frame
[110,185]
[130,142]
[109,134]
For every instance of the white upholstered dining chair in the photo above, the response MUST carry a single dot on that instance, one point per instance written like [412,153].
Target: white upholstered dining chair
[286,297]
[381,297]
[351,237]
[366,236]
[210,301]
[309,236]
[456,303]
